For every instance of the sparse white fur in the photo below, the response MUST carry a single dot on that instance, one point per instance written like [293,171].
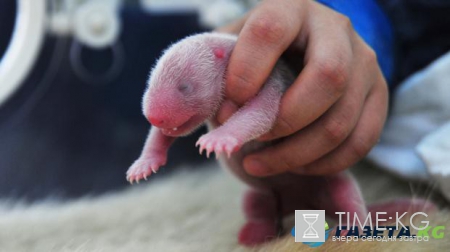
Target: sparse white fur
[195,48]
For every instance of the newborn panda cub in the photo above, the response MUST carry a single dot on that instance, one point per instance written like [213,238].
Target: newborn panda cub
[186,89]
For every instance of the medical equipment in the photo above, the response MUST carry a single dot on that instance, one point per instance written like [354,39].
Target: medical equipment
[95,24]
[22,52]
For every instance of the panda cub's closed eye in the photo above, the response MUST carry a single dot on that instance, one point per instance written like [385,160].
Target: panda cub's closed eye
[185,88]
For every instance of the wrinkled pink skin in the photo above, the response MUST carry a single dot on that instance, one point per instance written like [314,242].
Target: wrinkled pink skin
[186,90]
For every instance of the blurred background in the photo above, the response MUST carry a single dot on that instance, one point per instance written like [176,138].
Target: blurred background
[72,75]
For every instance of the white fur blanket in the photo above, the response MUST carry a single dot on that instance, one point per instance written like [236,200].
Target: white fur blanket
[196,210]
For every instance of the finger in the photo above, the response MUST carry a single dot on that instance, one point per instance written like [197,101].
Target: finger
[313,142]
[364,137]
[265,36]
[328,67]
[227,109]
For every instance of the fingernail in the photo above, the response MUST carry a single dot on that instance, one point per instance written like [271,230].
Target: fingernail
[256,167]
[264,138]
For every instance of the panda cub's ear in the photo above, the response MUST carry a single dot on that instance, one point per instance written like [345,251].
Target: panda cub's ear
[219,53]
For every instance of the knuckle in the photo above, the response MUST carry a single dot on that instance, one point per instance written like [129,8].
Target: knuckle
[344,22]
[239,80]
[360,148]
[334,74]
[335,131]
[284,127]
[269,28]
[240,84]
[370,55]
[288,163]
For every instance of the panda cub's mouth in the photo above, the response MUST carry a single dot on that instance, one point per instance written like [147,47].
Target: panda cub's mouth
[184,129]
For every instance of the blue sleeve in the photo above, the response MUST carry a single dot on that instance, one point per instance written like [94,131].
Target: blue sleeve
[373,25]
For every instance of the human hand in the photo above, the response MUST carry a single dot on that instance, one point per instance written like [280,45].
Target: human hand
[333,113]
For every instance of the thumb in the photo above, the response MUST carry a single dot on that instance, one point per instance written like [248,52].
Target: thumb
[266,34]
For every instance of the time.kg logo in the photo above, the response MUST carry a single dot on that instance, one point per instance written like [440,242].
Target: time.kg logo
[310,227]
